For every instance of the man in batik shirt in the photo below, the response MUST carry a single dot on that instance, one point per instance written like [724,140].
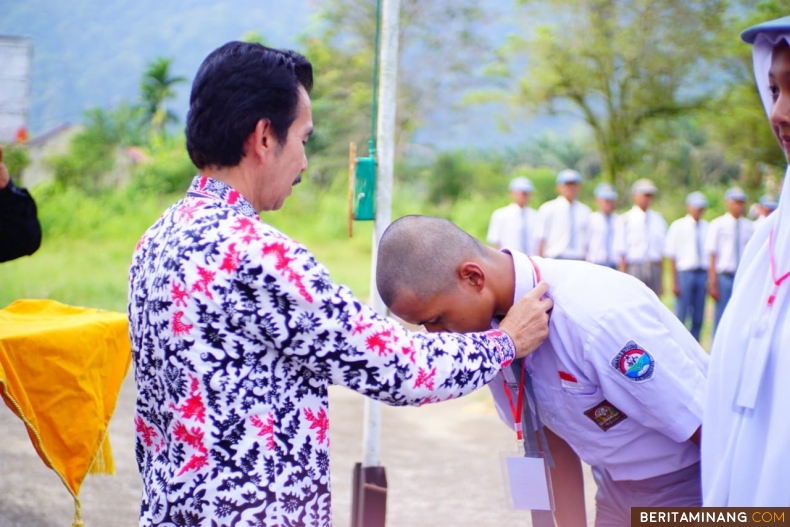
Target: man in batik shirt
[237,331]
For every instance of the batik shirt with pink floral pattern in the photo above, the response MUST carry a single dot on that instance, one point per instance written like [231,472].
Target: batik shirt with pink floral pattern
[236,333]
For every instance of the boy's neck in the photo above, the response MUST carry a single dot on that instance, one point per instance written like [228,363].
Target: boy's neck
[502,279]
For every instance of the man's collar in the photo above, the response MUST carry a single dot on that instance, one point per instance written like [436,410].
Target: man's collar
[206,187]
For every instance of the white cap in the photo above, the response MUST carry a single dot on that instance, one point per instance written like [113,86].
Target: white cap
[521,184]
[568,176]
[643,186]
[697,200]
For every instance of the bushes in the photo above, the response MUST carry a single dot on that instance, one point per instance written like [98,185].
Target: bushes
[15,158]
[168,170]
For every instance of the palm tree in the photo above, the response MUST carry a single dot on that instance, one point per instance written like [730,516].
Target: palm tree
[157,88]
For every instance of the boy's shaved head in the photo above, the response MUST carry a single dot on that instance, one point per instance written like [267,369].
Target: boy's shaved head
[422,254]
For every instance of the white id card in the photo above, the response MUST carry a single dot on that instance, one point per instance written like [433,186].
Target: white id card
[526,481]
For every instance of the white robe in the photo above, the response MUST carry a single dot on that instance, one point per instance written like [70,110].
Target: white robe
[746,423]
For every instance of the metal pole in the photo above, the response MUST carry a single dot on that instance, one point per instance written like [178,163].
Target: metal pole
[385,139]
[369,500]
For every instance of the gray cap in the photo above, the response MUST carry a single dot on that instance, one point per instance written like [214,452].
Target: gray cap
[643,186]
[697,200]
[769,202]
[605,191]
[521,184]
[568,176]
[735,194]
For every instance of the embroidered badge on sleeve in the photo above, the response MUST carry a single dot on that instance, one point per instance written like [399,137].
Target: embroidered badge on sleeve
[605,415]
[634,362]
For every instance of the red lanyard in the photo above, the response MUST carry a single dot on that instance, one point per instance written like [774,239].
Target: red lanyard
[777,281]
[517,411]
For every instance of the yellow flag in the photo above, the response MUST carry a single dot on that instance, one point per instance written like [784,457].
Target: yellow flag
[61,370]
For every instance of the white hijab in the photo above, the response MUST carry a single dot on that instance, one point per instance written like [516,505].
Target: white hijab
[746,426]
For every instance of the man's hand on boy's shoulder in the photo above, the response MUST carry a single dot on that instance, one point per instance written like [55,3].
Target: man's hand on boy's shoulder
[527,322]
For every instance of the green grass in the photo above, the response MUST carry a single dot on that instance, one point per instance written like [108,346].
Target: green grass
[89,240]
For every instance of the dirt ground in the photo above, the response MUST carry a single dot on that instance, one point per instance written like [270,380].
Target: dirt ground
[442,465]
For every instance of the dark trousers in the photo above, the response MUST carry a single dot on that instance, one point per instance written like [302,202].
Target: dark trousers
[691,301]
[648,272]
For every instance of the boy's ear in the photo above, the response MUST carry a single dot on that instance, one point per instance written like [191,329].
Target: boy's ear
[471,274]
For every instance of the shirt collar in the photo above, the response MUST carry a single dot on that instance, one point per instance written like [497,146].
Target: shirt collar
[525,274]
[206,187]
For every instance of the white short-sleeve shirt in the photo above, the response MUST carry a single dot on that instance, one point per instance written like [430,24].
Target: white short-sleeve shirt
[685,244]
[565,238]
[727,238]
[505,229]
[619,378]
[639,235]
[601,247]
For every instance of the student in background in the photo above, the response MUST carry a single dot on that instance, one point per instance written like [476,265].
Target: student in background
[517,225]
[765,206]
[564,220]
[685,249]
[639,237]
[600,250]
[725,243]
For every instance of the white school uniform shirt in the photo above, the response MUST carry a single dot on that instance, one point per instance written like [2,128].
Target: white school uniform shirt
[727,239]
[639,235]
[601,247]
[685,244]
[604,321]
[565,238]
[505,229]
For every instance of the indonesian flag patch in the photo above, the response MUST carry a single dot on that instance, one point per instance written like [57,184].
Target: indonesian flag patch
[634,362]
[569,381]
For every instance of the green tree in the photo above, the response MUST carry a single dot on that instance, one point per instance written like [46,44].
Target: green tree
[342,53]
[157,87]
[91,152]
[617,64]
[737,120]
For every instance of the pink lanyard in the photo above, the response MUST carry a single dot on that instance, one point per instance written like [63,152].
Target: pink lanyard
[777,281]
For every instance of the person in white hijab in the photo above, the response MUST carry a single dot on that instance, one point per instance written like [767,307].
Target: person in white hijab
[746,423]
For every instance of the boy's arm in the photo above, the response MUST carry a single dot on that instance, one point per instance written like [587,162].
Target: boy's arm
[649,367]
[567,482]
